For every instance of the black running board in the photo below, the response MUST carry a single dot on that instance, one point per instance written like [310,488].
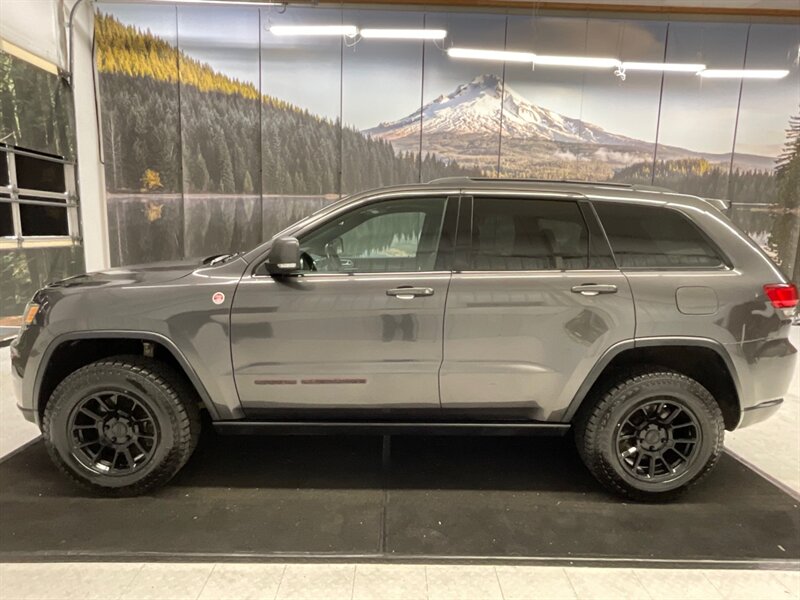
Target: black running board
[388,428]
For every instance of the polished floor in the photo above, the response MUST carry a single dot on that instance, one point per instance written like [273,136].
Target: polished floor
[772,448]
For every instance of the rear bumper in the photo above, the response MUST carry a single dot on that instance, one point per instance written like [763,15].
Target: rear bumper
[28,413]
[765,370]
[764,410]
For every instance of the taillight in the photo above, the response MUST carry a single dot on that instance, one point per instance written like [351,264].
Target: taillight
[782,295]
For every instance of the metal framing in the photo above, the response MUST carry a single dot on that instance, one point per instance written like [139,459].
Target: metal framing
[67,200]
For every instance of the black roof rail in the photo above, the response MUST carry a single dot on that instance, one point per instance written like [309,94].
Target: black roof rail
[454,180]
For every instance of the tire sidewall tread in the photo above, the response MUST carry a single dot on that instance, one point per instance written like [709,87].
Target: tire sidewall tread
[596,423]
[170,397]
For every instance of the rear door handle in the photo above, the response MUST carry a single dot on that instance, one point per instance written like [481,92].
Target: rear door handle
[593,289]
[409,293]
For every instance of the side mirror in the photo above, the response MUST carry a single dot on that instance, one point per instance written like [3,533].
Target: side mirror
[284,256]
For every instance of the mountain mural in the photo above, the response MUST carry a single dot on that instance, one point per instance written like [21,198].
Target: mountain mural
[464,126]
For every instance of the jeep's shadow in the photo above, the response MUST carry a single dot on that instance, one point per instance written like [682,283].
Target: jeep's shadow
[415,462]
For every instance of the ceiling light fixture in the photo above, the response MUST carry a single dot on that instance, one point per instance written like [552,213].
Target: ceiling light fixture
[404,34]
[576,61]
[663,67]
[501,55]
[317,30]
[744,73]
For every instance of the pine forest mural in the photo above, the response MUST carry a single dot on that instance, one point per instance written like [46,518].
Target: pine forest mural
[214,140]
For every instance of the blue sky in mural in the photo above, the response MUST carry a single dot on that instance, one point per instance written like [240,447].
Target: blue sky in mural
[382,79]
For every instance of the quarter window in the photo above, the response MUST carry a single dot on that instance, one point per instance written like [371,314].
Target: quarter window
[654,237]
[524,234]
[384,237]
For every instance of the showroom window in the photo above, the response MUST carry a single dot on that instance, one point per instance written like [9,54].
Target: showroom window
[38,205]
[528,235]
[653,237]
[386,237]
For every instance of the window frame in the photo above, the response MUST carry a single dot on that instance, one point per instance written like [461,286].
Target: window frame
[725,261]
[66,201]
[452,202]
[466,230]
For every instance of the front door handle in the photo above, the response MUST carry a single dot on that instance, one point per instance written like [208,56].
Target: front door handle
[593,289]
[409,293]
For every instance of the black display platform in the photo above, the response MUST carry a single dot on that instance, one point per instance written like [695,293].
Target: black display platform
[440,497]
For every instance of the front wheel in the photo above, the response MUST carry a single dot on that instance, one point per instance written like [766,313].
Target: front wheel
[651,436]
[121,426]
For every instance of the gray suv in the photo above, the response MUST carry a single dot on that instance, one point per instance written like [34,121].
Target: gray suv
[643,321]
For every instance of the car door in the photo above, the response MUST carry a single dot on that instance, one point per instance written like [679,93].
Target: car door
[360,326]
[535,299]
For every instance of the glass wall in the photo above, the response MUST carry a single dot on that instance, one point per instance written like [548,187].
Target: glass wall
[39,228]
[338,114]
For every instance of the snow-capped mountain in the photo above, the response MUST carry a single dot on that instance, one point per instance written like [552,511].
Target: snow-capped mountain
[476,108]
[464,125]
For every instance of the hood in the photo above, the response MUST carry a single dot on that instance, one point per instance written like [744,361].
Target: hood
[131,275]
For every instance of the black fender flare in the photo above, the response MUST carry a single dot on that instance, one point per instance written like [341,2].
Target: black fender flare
[149,336]
[613,351]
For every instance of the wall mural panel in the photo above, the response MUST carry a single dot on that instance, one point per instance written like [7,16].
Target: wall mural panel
[462,99]
[300,117]
[698,116]
[766,200]
[140,117]
[340,114]
[381,80]
[219,127]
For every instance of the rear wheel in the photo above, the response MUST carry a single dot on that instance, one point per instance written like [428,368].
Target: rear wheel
[651,436]
[121,426]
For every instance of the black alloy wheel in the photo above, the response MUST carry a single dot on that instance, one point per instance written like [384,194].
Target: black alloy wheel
[113,433]
[658,439]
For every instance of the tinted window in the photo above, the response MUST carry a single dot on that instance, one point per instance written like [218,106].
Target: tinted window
[521,235]
[3,169]
[39,174]
[6,223]
[654,237]
[37,219]
[385,237]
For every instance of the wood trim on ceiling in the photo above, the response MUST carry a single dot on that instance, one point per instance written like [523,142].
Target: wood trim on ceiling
[591,7]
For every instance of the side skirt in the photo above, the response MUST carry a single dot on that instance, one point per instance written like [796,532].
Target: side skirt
[387,428]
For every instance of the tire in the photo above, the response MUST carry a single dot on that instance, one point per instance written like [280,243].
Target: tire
[621,433]
[116,404]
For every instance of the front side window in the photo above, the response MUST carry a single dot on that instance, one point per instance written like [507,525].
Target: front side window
[654,237]
[384,237]
[528,235]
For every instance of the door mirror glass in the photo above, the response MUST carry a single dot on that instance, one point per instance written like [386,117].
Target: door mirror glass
[284,256]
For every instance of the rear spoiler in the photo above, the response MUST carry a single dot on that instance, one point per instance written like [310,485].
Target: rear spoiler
[719,203]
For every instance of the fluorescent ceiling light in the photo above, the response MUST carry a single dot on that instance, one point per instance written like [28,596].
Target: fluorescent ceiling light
[576,61]
[283,30]
[223,2]
[404,34]
[744,73]
[501,55]
[671,67]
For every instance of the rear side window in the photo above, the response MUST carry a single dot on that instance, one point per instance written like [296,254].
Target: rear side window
[527,235]
[653,237]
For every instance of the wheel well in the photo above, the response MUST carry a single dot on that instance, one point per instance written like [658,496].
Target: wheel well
[704,365]
[71,355]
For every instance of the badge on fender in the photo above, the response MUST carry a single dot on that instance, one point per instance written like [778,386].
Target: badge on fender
[218,298]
